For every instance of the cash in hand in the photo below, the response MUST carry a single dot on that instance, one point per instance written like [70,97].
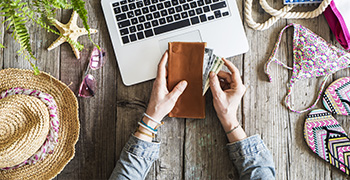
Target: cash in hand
[211,62]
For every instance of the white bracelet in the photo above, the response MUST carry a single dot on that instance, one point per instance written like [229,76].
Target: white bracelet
[147,128]
[149,117]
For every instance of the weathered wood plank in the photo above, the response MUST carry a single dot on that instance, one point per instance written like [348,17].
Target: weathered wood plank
[11,58]
[2,35]
[303,162]
[170,163]
[46,61]
[95,157]
[131,103]
[263,111]
[206,156]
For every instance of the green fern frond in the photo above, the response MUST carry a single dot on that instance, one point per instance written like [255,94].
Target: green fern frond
[1,45]
[79,6]
[18,13]
[60,4]
[39,22]
[17,22]
[20,32]
[49,17]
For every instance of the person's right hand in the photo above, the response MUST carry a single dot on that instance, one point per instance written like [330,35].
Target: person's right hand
[227,90]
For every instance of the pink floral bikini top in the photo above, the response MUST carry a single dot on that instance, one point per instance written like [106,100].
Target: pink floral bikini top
[313,57]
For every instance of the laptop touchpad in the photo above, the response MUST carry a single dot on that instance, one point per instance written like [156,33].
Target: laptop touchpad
[193,36]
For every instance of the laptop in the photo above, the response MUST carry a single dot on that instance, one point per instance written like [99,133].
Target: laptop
[141,29]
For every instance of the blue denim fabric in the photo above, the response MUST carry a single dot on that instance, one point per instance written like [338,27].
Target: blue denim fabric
[251,157]
[136,159]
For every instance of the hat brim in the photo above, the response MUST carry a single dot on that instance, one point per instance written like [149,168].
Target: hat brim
[69,125]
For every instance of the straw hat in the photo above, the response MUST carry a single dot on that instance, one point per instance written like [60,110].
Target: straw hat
[39,125]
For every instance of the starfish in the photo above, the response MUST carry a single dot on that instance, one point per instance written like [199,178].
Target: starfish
[70,30]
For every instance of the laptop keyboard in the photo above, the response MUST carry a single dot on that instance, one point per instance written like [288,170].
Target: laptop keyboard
[141,19]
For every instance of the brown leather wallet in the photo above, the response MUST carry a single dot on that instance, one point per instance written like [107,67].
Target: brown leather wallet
[185,62]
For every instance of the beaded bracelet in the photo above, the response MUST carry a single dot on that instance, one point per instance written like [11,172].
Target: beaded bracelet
[149,117]
[144,133]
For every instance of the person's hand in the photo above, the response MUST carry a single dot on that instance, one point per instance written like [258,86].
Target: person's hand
[162,101]
[228,90]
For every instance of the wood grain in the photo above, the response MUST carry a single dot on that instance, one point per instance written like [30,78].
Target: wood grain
[302,159]
[95,150]
[206,156]
[191,149]
[171,162]
[2,35]
[263,111]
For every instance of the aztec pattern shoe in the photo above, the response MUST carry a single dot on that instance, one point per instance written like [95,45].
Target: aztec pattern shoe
[324,135]
[336,98]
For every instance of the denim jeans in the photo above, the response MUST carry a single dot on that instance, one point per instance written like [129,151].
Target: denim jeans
[250,156]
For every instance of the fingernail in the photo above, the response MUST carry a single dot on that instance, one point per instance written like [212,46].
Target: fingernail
[184,83]
[212,74]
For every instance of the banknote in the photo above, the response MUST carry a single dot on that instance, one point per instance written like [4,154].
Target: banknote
[215,67]
[210,66]
[207,63]
[207,60]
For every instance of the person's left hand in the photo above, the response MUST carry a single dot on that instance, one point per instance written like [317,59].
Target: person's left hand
[162,101]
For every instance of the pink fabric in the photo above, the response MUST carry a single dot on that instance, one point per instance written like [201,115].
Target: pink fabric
[337,24]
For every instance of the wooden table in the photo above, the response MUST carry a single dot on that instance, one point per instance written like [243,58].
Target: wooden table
[191,149]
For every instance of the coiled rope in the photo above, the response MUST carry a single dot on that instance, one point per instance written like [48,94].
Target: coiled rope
[278,14]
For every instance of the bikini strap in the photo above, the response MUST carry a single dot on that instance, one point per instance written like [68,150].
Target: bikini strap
[272,58]
[288,96]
